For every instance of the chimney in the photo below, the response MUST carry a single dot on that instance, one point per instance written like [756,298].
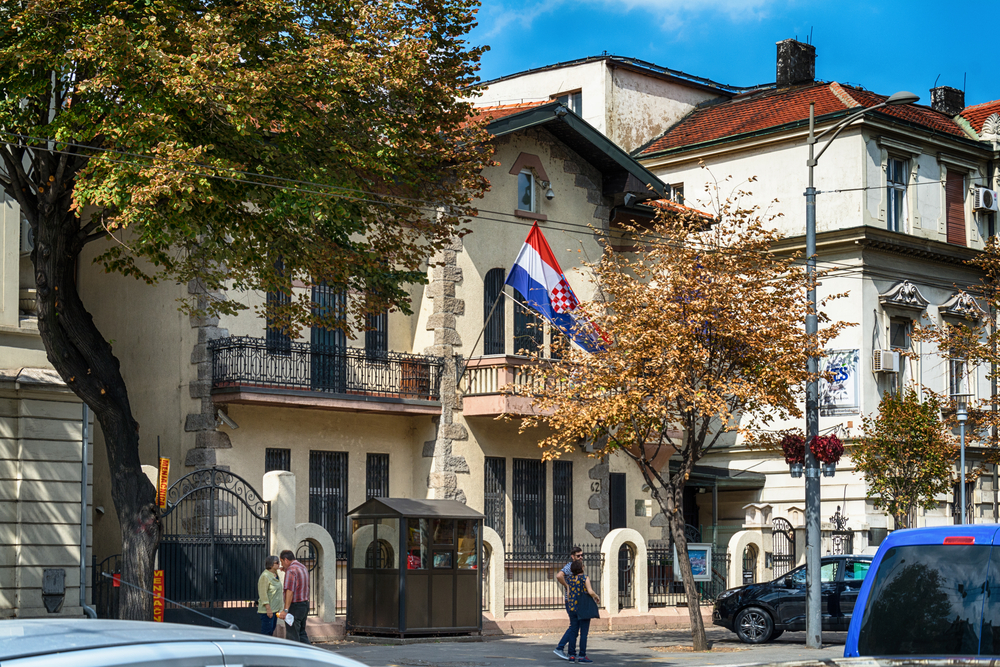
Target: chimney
[949,101]
[796,63]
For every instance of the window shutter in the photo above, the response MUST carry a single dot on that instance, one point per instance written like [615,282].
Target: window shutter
[493,338]
[954,197]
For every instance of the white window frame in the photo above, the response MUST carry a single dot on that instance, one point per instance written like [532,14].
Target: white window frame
[677,193]
[533,206]
[900,188]
[572,100]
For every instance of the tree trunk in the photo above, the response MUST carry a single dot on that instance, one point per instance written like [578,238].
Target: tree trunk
[698,638]
[84,359]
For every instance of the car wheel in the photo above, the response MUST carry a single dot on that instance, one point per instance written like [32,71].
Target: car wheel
[754,625]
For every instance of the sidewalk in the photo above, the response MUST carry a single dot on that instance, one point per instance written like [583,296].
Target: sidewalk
[548,621]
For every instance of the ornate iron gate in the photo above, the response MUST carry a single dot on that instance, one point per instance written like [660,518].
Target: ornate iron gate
[842,537]
[784,546]
[626,567]
[214,542]
[750,564]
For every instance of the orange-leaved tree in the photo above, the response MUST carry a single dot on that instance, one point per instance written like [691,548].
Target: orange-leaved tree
[704,339]
[906,454]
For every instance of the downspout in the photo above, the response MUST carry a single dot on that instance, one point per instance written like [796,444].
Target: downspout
[993,371]
[83,516]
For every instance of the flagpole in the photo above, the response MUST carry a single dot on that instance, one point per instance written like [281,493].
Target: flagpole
[481,331]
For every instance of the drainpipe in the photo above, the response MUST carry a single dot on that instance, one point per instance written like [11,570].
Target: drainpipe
[83,517]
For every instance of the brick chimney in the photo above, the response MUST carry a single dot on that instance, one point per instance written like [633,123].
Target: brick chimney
[796,63]
[947,100]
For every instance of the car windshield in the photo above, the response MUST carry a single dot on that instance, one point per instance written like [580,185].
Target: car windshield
[926,600]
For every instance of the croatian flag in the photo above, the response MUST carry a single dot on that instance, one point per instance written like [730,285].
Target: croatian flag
[537,276]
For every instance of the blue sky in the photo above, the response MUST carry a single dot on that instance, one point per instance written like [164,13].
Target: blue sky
[883,46]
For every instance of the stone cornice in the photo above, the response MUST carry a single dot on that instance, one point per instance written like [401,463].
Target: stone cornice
[881,240]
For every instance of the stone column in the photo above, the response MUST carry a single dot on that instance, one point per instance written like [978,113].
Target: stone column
[202,423]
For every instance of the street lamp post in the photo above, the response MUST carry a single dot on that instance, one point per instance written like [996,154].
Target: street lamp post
[962,415]
[814,628]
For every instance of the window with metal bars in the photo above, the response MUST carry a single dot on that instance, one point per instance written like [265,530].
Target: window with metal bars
[527,328]
[528,502]
[493,335]
[495,495]
[277,459]
[328,494]
[377,335]
[276,337]
[329,363]
[562,506]
[377,476]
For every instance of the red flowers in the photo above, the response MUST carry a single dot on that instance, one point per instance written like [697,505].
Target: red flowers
[826,448]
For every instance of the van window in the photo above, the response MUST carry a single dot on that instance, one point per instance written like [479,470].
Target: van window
[991,614]
[926,600]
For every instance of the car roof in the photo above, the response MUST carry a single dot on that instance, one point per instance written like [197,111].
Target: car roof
[22,638]
[984,533]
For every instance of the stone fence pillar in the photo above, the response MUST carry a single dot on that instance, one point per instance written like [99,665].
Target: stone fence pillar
[609,577]
[495,573]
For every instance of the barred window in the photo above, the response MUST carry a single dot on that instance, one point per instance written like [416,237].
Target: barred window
[493,336]
[377,476]
[528,501]
[527,328]
[377,335]
[562,506]
[276,337]
[277,459]
[495,495]
[328,494]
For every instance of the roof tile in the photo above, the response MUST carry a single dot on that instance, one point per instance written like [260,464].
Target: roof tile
[756,112]
[977,114]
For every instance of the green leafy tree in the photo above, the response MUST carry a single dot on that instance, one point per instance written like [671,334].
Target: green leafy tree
[906,454]
[242,145]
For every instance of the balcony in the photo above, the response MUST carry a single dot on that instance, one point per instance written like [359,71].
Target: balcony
[485,380]
[248,370]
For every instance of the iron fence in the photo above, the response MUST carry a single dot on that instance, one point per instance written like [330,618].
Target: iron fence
[243,361]
[530,576]
[665,592]
[103,592]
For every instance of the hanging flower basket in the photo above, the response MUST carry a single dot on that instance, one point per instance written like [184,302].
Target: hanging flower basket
[794,447]
[795,469]
[827,448]
[829,469]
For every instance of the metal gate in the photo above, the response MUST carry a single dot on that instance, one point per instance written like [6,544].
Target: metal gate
[784,546]
[842,537]
[626,568]
[214,542]
[750,564]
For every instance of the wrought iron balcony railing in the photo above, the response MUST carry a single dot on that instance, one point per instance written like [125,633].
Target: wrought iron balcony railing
[245,362]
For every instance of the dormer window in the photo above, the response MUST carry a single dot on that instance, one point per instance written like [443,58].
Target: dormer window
[526,196]
[573,101]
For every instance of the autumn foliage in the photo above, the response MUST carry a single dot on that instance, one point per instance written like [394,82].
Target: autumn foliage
[906,454]
[705,340]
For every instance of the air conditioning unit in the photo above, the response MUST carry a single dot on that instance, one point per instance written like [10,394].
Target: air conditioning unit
[885,361]
[984,199]
[27,237]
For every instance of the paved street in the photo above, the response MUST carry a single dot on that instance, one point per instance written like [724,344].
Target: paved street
[662,647]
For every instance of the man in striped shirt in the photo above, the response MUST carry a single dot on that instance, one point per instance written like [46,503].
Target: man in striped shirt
[296,596]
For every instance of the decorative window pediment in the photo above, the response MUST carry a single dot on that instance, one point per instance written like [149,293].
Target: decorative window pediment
[962,306]
[904,296]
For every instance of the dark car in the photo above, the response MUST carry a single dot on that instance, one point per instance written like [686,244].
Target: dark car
[761,612]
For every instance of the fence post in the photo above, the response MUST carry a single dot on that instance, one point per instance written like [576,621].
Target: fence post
[609,578]
[495,573]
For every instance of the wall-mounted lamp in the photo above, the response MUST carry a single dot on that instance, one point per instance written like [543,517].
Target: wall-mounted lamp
[225,419]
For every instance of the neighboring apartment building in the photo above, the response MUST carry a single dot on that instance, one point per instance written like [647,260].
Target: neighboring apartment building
[897,220]
[626,99]
[41,431]
[409,408]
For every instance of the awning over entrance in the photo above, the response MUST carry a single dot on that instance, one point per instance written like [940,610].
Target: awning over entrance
[725,479]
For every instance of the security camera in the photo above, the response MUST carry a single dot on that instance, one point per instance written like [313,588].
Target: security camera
[226,419]
[630,199]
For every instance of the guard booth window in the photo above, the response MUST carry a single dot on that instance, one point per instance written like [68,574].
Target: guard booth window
[493,336]
[328,494]
[528,501]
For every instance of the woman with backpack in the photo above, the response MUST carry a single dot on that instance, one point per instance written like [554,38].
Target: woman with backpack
[582,606]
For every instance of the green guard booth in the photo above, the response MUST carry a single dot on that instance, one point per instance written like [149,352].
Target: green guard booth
[414,568]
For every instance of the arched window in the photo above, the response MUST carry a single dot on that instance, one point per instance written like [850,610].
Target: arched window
[528,329]
[493,336]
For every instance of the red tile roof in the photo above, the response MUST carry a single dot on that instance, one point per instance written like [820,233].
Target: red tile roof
[759,111]
[977,114]
[670,205]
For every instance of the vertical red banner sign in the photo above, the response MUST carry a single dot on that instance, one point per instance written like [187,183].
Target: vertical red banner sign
[158,597]
[161,488]
[116,579]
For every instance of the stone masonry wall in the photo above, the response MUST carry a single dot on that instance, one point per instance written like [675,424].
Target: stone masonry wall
[202,423]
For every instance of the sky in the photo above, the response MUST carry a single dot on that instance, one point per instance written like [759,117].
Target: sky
[883,46]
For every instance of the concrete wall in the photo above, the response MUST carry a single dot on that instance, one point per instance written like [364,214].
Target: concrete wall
[40,467]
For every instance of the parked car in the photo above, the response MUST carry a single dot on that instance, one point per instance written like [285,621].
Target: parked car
[758,613]
[932,592]
[100,643]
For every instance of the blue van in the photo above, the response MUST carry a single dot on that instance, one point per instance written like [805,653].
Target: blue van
[930,592]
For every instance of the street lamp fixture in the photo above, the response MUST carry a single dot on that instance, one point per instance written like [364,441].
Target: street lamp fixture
[814,629]
[962,415]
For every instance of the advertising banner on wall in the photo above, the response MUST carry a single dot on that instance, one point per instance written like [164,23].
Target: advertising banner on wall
[838,392]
